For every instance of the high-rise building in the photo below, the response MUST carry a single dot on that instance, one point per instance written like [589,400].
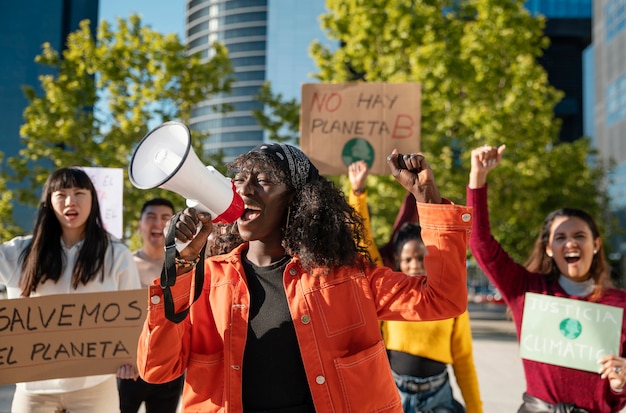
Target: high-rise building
[267,41]
[568,26]
[609,103]
[24,27]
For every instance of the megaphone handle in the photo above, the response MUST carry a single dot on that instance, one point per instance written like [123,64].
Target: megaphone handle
[180,245]
[168,277]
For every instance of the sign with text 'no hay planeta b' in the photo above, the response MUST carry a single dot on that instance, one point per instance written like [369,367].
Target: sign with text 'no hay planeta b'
[341,123]
[69,335]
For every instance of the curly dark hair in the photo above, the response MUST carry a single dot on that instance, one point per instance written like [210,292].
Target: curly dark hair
[320,227]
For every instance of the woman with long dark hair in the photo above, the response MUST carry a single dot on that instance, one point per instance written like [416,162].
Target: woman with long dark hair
[68,252]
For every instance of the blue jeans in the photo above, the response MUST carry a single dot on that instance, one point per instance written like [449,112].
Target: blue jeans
[435,400]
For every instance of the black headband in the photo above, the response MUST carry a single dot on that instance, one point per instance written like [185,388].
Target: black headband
[292,161]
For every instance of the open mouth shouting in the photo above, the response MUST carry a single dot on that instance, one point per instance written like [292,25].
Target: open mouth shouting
[157,234]
[250,213]
[70,215]
[572,257]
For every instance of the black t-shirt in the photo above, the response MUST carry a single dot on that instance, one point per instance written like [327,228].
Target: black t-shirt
[273,372]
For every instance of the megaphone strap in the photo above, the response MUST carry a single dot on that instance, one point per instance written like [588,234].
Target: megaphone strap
[168,275]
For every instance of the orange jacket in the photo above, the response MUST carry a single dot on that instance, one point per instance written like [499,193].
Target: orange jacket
[335,317]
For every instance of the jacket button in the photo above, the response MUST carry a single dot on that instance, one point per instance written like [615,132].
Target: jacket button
[235,367]
[320,379]
[155,299]
[466,217]
[293,271]
[305,319]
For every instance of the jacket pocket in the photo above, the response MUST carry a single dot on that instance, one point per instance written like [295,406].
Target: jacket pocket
[204,382]
[347,293]
[366,381]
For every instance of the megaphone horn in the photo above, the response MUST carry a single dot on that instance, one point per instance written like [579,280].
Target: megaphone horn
[165,159]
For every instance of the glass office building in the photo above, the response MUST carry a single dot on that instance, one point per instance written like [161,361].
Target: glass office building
[568,25]
[24,27]
[267,41]
[609,103]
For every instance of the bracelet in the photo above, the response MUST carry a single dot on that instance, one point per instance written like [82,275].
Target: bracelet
[184,263]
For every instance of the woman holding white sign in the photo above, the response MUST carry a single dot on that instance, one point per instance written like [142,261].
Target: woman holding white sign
[69,252]
[567,262]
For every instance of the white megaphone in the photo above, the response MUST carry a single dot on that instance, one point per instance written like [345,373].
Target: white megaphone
[165,159]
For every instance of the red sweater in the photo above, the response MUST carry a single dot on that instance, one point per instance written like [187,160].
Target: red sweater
[548,382]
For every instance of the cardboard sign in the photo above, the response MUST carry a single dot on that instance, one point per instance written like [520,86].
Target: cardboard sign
[69,335]
[341,123]
[109,184]
[569,333]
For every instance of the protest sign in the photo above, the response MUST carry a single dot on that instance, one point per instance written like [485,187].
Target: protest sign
[569,333]
[109,184]
[69,335]
[344,122]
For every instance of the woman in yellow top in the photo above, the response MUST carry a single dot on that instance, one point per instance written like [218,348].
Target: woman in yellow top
[420,352]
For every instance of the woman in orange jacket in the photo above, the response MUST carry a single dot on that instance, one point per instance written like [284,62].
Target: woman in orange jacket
[419,352]
[288,320]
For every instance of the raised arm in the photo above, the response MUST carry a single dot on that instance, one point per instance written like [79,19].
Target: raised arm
[484,159]
[445,229]
[357,198]
[415,175]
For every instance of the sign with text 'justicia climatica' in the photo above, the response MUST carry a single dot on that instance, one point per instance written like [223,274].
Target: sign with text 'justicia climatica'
[569,333]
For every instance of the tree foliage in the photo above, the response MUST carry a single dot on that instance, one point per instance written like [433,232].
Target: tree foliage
[8,227]
[107,93]
[281,118]
[481,84]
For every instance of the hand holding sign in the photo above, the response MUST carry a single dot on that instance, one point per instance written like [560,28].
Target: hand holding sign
[569,333]
[414,173]
[69,335]
[613,370]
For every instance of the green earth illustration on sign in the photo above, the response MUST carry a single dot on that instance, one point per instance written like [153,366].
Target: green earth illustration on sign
[357,149]
[571,328]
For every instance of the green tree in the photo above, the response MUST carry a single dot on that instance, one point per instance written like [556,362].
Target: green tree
[476,61]
[8,227]
[281,118]
[107,93]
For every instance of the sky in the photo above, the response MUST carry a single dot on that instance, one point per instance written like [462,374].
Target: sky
[164,16]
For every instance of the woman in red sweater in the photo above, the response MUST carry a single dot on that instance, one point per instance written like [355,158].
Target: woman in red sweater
[568,262]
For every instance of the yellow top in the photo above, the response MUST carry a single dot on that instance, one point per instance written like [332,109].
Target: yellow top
[447,341]
[359,203]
